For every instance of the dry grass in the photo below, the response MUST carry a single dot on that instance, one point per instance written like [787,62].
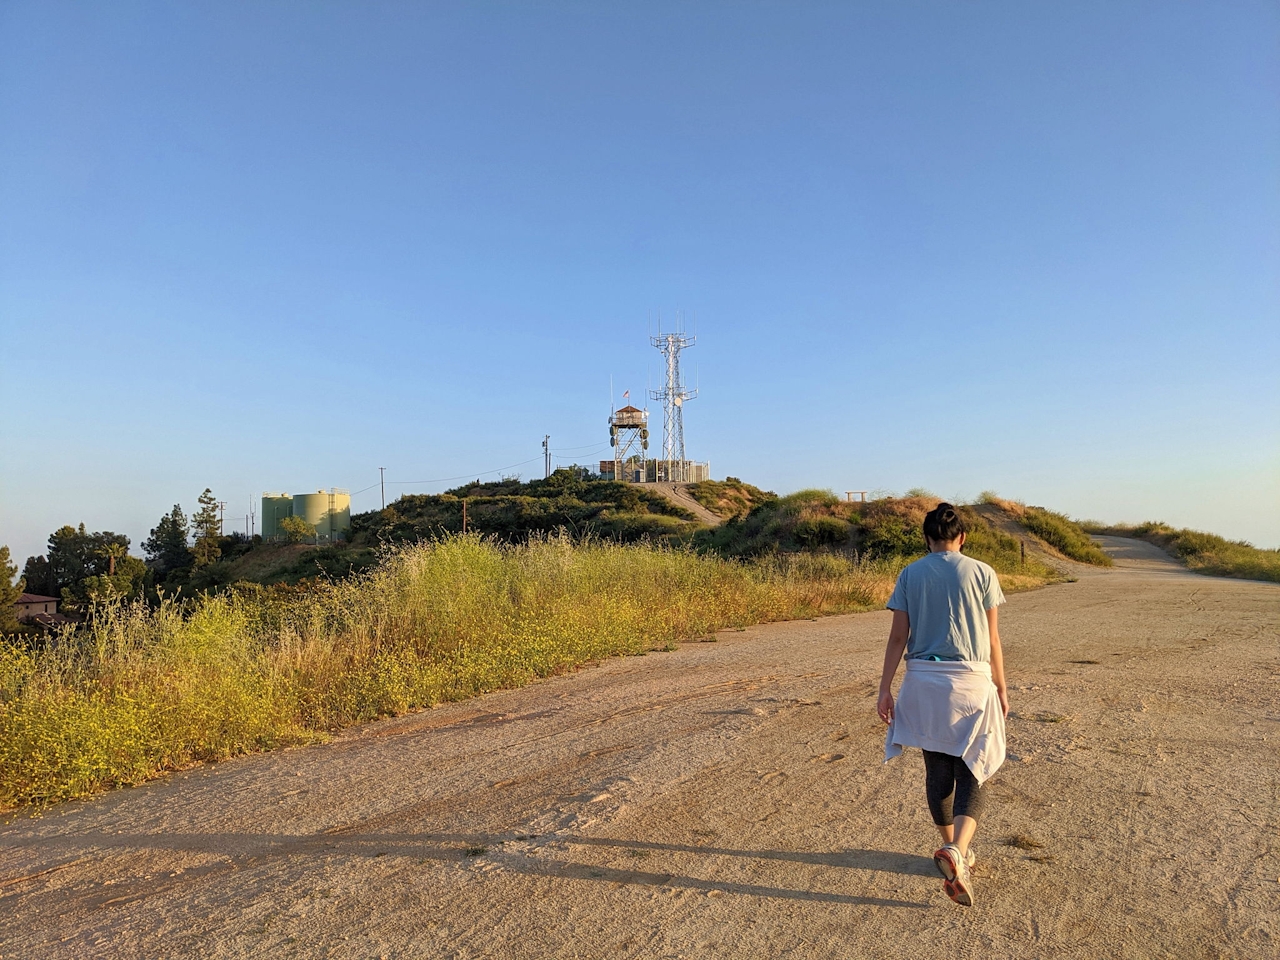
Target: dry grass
[1022,842]
[140,691]
[1058,530]
[729,497]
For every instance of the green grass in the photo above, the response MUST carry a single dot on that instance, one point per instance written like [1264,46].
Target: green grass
[138,690]
[1204,552]
[729,497]
[886,530]
[1060,531]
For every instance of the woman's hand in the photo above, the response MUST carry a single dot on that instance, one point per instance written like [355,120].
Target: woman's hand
[1004,700]
[884,706]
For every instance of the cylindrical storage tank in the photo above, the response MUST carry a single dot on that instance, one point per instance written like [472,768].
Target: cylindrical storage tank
[339,514]
[314,508]
[275,507]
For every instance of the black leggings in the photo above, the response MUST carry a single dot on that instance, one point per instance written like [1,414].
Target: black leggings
[948,778]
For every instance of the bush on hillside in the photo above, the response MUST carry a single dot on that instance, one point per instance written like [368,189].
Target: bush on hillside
[1065,534]
[1205,552]
[514,511]
[729,497]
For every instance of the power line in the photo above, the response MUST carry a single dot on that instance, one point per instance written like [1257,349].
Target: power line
[464,476]
[589,447]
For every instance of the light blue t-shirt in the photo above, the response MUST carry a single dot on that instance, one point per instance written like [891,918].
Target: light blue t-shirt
[946,596]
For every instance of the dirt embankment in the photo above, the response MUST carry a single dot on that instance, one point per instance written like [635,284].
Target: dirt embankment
[726,799]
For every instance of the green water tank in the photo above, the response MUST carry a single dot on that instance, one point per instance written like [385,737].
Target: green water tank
[275,507]
[329,512]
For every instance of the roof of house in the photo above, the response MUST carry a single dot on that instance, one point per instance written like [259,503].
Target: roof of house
[629,409]
[35,598]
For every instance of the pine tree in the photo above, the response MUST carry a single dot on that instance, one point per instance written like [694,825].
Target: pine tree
[206,528]
[39,577]
[166,548]
[9,592]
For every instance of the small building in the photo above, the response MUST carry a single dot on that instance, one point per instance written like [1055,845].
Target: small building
[677,471]
[39,611]
[29,605]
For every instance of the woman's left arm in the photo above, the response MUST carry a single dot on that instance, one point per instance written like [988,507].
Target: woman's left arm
[997,659]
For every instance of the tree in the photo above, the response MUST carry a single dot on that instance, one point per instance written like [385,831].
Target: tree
[74,554]
[39,577]
[77,559]
[295,529]
[125,582]
[206,528]
[9,592]
[166,548]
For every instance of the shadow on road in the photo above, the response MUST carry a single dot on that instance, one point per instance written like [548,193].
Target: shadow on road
[242,852]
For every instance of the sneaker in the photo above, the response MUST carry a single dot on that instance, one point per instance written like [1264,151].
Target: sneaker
[959,891]
[957,882]
[947,859]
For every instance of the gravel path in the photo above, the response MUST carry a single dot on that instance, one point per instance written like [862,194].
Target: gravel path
[726,799]
[678,493]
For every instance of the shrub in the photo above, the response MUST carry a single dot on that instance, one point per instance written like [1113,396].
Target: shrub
[821,532]
[1207,552]
[1065,534]
[295,529]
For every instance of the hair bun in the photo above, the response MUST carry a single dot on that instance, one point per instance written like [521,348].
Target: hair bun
[943,522]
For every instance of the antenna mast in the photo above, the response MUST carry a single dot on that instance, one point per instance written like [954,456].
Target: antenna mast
[673,396]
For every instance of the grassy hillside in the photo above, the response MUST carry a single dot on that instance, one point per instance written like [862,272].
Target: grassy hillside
[885,529]
[508,510]
[1056,529]
[1203,552]
[758,523]
[730,497]
[511,510]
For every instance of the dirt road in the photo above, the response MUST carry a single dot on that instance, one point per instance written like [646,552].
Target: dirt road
[678,493]
[727,799]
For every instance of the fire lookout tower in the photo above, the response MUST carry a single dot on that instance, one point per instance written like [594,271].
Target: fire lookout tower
[629,437]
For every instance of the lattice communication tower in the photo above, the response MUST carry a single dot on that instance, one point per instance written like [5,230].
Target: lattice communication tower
[673,395]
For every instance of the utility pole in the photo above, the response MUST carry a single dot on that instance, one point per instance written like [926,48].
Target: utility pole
[546,456]
[464,514]
[382,479]
[222,506]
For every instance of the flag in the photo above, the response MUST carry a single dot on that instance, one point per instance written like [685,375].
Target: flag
[625,394]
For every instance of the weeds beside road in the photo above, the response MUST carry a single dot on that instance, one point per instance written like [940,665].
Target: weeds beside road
[1202,552]
[139,691]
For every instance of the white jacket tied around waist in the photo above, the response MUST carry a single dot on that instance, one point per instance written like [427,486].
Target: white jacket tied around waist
[949,706]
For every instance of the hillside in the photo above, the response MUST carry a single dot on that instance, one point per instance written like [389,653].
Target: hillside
[515,510]
[886,528]
[729,497]
[728,517]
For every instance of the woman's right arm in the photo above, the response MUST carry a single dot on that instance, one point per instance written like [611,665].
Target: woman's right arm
[898,634]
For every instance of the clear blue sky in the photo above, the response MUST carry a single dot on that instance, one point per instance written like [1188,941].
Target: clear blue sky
[1031,247]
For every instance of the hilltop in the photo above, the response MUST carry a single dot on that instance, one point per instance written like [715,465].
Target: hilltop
[728,518]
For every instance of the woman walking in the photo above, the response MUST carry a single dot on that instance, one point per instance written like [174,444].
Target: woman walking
[953,701]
